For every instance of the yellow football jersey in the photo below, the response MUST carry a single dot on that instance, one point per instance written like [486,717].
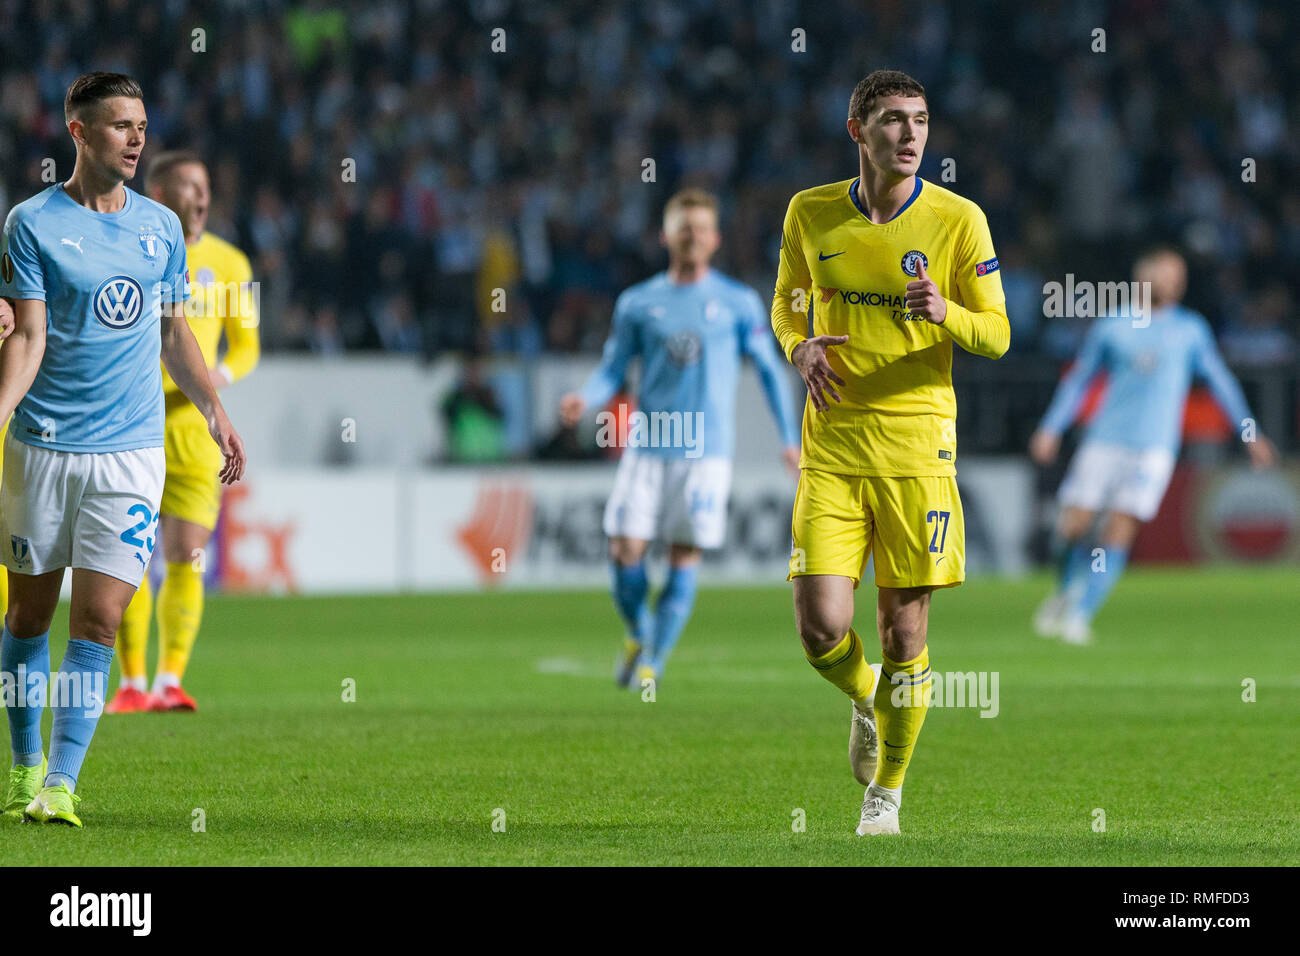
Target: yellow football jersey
[221,299]
[898,416]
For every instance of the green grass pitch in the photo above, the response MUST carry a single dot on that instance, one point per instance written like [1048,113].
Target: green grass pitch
[469,705]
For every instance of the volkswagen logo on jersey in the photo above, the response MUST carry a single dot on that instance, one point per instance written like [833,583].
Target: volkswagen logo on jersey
[684,349]
[909,261]
[118,302]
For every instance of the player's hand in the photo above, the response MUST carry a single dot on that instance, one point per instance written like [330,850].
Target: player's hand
[1263,453]
[217,378]
[923,298]
[231,445]
[6,319]
[790,458]
[1043,447]
[571,408]
[809,357]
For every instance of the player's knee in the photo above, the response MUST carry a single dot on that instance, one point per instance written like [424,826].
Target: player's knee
[821,634]
[902,636]
[97,622]
[26,620]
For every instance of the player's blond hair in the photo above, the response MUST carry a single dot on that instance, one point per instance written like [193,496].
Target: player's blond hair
[691,199]
[164,163]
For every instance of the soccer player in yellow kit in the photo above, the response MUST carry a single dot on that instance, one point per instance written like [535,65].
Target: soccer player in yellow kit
[222,300]
[895,270]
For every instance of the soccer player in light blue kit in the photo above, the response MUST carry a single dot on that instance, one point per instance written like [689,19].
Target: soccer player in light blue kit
[97,275]
[691,326]
[1127,455]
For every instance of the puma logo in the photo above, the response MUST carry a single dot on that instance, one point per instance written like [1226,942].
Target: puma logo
[76,245]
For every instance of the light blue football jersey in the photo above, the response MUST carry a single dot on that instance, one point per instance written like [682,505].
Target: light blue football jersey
[691,339]
[1150,369]
[104,278]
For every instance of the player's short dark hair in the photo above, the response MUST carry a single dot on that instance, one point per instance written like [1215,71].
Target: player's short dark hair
[691,199]
[882,83]
[1157,250]
[164,163]
[91,88]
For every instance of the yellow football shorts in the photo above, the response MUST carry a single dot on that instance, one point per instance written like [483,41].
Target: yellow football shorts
[192,491]
[913,528]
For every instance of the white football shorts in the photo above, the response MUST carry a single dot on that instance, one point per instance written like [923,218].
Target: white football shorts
[1105,477]
[93,510]
[677,500]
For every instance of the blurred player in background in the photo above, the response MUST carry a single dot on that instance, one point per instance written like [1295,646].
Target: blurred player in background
[896,270]
[98,277]
[222,300]
[1127,455]
[691,326]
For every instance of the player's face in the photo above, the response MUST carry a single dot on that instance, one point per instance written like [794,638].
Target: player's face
[1167,274]
[188,193]
[112,135]
[894,134]
[691,235]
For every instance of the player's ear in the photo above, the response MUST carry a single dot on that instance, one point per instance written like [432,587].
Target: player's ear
[852,124]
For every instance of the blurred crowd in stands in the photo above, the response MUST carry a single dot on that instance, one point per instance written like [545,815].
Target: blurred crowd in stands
[389,164]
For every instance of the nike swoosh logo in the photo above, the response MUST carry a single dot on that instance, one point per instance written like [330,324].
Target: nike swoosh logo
[895,746]
[939,562]
[831,256]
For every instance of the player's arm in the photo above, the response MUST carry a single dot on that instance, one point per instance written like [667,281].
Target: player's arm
[756,343]
[243,348]
[790,317]
[22,290]
[1227,392]
[622,344]
[1046,440]
[978,322]
[6,317]
[183,360]
[20,359]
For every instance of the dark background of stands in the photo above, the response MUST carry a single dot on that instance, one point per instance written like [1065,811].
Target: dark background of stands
[522,169]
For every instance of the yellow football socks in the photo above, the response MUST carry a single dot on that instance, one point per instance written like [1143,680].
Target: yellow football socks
[902,700]
[180,608]
[133,634]
[846,668]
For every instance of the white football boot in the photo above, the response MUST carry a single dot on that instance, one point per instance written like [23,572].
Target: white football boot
[879,812]
[1048,617]
[1075,629]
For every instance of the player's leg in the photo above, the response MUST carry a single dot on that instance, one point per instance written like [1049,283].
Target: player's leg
[114,527]
[39,491]
[920,545]
[1070,556]
[694,517]
[191,501]
[1092,474]
[631,521]
[1141,477]
[831,532]
[78,690]
[132,695]
[629,585]
[672,609]
[25,653]
[180,608]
